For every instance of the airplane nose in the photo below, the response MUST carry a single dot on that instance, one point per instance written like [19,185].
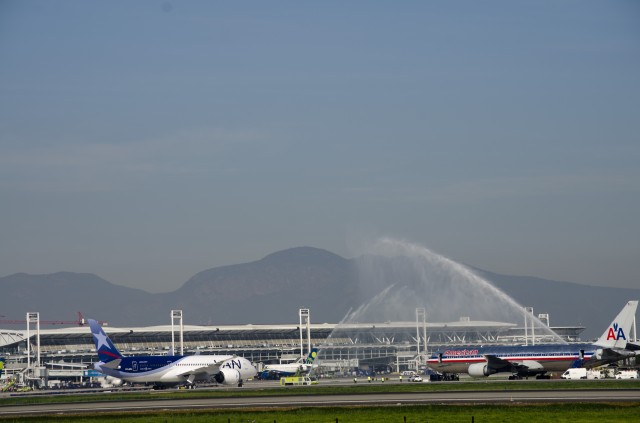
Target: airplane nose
[251,366]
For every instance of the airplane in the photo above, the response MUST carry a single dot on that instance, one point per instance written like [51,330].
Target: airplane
[301,366]
[169,370]
[537,360]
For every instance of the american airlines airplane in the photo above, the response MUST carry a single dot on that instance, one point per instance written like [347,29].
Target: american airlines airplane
[537,360]
[171,370]
[302,366]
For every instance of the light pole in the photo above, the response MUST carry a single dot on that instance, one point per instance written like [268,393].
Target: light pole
[304,314]
[177,314]
[421,313]
[33,317]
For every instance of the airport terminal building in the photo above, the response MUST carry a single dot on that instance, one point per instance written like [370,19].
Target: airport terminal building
[66,353]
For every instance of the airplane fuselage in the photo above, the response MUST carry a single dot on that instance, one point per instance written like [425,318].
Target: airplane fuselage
[540,358]
[173,369]
[276,371]
[288,368]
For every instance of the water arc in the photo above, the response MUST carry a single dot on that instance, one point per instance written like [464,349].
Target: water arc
[396,277]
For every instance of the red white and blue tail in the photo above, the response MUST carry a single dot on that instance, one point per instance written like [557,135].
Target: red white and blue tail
[617,334]
[106,350]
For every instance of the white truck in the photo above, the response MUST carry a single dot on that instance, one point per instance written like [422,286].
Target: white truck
[578,373]
[595,374]
[627,374]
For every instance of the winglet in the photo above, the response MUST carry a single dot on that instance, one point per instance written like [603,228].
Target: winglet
[617,334]
[106,350]
[2,360]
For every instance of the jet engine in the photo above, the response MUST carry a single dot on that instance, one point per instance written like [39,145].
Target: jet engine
[480,370]
[228,376]
[110,381]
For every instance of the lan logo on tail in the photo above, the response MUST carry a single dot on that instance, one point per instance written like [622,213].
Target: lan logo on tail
[615,333]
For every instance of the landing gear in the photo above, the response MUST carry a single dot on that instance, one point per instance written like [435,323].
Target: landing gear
[436,377]
[515,377]
[240,383]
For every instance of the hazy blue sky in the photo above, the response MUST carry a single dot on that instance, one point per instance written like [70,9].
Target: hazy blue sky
[145,141]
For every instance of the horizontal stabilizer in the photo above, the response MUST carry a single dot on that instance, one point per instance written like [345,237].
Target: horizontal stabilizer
[113,364]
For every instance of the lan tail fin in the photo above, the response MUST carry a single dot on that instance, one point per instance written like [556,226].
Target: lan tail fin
[617,334]
[106,350]
[312,356]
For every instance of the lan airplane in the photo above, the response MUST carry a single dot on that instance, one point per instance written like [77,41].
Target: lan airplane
[536,360]
[168,370]
[301,366]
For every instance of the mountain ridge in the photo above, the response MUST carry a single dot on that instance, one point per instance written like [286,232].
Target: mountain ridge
[272,289]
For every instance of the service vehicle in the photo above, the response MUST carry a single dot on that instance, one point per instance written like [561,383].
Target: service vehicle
[627,374]
[575,373]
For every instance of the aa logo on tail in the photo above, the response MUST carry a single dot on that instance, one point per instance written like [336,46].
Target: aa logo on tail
[615,333]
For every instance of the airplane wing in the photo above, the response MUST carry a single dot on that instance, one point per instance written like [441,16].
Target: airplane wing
[527,367]
[608,356]
[632,346]
[497,363]
[211,370]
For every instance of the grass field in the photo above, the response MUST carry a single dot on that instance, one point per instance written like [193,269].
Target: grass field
[573,412]
[254,389]
[392,414]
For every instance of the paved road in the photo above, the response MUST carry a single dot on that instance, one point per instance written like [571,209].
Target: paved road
[450,397]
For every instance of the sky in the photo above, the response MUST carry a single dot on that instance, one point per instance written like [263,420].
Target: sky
[147,141]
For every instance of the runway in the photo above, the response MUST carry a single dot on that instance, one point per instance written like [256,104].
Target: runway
[371,399]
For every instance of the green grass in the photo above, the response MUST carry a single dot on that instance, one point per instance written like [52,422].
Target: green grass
[254,390]
[391,414]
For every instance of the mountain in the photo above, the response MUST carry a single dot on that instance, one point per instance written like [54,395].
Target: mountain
[271,290]
[58,296]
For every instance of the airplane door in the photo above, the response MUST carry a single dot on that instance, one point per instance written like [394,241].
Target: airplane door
[440,358]
[134,366]
[581,354]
